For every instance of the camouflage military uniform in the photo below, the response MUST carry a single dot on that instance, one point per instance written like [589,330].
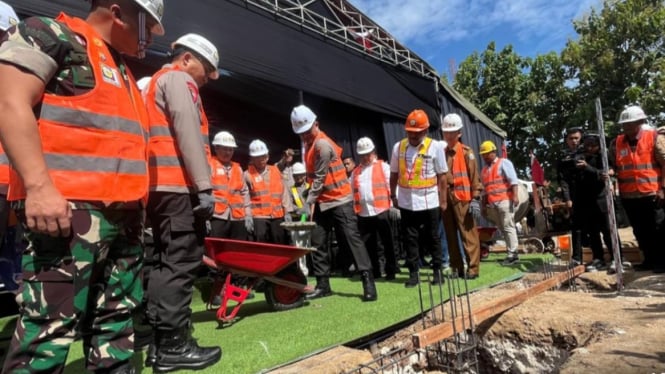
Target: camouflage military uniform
[86,284]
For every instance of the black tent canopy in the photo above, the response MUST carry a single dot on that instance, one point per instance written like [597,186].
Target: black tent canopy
[270,63]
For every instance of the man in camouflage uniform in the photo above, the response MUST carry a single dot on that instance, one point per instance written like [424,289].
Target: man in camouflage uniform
[81,176]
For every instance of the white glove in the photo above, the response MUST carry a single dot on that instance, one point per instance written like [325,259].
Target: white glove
[208,228]
[474,209]
[249,224]
[394,214]
[288,218]
[206,206]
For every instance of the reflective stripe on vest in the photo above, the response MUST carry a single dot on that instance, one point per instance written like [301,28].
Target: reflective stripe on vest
[266,198]
[166,165]
[227,188]
[94,144]
[496,186]
[336,184]
[414,178]
[637,172]
[380,187]
[461,181]
[297,199]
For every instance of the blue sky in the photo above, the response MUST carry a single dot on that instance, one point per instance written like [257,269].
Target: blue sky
[441,30]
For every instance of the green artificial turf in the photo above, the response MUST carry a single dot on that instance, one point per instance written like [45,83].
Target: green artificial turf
[261,338]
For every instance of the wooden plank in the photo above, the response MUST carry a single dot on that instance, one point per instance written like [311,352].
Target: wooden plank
[445,330]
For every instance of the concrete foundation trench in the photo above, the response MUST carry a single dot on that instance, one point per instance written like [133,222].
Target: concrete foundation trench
[581,324]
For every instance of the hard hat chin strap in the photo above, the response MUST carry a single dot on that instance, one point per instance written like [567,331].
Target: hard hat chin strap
[143,35]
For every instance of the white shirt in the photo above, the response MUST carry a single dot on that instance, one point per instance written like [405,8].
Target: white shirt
[367,208]
[434,163]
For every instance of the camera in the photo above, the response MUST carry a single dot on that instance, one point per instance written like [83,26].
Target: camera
[570,158]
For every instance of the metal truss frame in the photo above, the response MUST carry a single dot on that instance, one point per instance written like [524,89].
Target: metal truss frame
[350,28]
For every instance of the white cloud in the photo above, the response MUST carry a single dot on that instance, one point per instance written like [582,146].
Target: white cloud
[456,20]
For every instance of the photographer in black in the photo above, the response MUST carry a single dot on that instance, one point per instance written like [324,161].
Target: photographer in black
[569,177]
[591,204]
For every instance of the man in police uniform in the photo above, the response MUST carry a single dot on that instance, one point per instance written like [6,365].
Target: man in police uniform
[418,188]
[464,189]
[81,174]
[330,195]
[180,200]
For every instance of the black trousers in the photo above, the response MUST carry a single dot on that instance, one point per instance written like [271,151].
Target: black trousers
[647,218]
[268,230]
[373,229]
[178,251]
[421,226]
[594,222]
[227,229]
[345,222]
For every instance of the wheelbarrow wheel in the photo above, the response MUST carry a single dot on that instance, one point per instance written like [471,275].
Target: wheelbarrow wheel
[283,297]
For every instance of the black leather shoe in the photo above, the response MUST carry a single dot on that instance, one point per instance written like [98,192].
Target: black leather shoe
[412,281]
[177,350]
[437,280]
[319,293]
[369,288]
[151,356]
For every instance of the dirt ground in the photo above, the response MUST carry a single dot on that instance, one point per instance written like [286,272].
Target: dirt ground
[588,328]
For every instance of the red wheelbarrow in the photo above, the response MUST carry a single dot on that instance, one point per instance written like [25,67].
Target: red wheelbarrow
[285,284]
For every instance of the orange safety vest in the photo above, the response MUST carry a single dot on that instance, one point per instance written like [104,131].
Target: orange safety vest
[496,186]
[102,156]
[165,160]
[336,184]
[637,172]
[226,188]
[266,199]
[380,187]
[414,178]
[461,181]
[4,171]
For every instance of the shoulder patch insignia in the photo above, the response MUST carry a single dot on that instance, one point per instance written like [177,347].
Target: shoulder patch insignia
[110,75]
[194,91]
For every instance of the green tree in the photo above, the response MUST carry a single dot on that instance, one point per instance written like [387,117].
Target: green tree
[527,97]
[620,57]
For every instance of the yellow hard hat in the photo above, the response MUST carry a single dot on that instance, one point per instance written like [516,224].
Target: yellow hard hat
[486,147]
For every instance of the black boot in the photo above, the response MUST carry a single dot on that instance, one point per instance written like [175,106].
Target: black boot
[322,289]
[177,350]
[151,356]
[436,278]
[413,280]
[369,288]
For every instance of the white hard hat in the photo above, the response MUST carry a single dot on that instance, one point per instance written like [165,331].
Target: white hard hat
[257,148]
[364,146]
[632,114]
[302,119]
[299,168]
[8,17]
[451,122]
[203,47]
[224,139]
[143,83]
[155,8]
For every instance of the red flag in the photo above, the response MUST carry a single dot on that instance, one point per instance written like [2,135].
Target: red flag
[537,172]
